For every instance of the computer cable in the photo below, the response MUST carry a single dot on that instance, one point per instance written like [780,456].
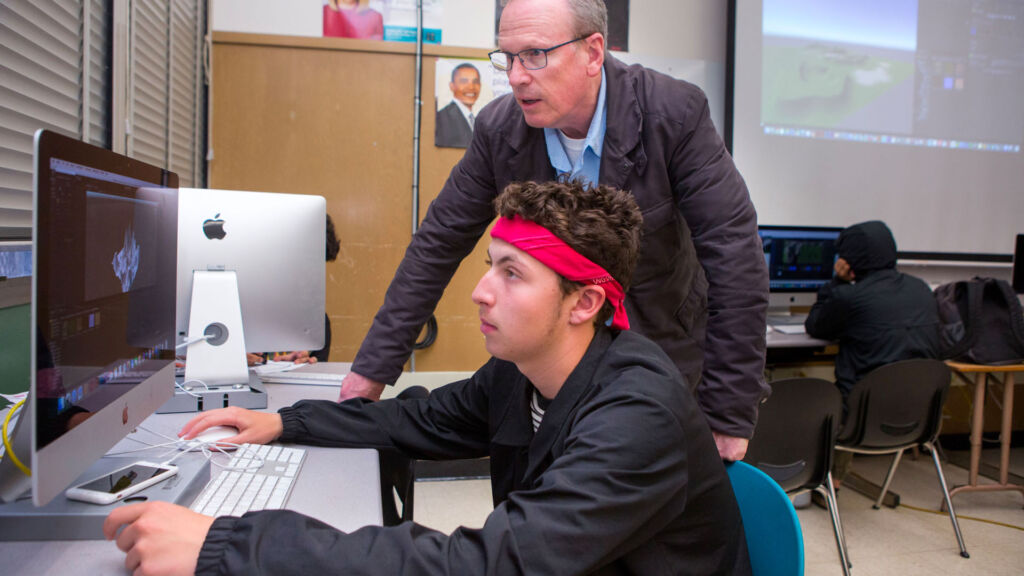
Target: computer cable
[191,341]
[189,390]
[208,449]
[9,450]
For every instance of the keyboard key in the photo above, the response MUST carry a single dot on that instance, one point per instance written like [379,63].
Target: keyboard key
[256,478]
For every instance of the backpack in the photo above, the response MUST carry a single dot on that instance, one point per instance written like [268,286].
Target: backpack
[982,321]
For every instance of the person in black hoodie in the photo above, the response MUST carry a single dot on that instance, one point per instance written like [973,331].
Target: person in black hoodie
[877,314]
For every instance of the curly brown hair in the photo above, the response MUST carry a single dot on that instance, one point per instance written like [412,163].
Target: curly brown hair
[601,223]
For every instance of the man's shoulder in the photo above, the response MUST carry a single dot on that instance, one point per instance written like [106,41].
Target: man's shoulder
[657,92]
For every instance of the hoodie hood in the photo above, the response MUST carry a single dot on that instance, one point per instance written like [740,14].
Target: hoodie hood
[867,247]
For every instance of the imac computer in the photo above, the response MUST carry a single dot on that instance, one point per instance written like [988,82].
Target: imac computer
[251,278]
[101,331]
[800,260]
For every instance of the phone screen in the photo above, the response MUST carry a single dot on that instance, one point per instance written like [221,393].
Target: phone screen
[124,478]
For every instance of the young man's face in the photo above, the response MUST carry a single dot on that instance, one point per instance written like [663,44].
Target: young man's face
[556,96]
[466,86]
[522,308]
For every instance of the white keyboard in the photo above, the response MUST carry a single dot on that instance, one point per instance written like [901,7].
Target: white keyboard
[309,378]
[245,486]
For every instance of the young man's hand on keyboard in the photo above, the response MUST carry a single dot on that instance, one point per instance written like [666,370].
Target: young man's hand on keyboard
[253,427]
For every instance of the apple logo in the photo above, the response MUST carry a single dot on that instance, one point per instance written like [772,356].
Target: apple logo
[213,228]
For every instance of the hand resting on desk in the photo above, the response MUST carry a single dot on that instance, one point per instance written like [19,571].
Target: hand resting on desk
[253,427]
[159,538]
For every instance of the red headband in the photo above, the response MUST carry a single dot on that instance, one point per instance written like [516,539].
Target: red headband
[551,251]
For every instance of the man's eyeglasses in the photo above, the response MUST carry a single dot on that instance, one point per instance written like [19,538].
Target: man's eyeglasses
[531,59]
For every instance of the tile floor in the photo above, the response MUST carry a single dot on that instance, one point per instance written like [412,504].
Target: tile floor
[881,542]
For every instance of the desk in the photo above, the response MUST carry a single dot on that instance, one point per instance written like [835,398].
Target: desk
[981,373]
[790,349]
[338,486]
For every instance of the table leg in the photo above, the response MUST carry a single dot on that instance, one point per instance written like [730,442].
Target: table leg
[977,425]
[1006,431]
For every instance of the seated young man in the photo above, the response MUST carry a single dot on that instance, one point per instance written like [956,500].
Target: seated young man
[601,461]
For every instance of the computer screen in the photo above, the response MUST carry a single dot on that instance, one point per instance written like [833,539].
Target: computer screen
[274,243]
[102,311]
[800,260]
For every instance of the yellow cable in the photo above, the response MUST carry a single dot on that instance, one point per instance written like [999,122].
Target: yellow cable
[7,441]
[962,517]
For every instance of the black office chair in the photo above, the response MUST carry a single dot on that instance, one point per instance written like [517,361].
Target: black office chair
[793,441]
[896,407]
[398,475]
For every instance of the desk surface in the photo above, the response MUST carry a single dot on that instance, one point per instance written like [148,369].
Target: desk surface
[338,486]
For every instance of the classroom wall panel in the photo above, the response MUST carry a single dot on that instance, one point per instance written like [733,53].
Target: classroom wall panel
[334,117]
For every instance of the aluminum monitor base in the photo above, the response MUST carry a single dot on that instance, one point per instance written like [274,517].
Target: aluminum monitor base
[251,395]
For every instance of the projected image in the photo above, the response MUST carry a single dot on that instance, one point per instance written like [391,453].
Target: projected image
[838,65]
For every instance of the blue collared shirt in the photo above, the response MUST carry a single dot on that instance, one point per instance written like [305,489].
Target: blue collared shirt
[588,167]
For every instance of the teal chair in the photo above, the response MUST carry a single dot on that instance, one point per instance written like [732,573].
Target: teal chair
[774,538]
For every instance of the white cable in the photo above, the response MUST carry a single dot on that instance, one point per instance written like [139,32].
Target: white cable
[189,392]
[189,342]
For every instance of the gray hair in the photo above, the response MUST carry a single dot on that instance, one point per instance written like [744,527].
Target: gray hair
[589,16]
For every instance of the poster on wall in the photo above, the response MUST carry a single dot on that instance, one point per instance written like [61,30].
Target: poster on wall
[461,89]
[618,24]
[392,20]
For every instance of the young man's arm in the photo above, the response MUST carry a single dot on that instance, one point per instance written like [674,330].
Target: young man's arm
[828,316]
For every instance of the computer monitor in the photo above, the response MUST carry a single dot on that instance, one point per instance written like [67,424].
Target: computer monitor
[274,246]
[800,260]
[1018,265]
[102,310]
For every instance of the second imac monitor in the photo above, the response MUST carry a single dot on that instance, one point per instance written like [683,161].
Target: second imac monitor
[270,247]
[800,260]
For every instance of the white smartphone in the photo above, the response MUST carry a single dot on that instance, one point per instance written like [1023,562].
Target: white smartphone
[121,483]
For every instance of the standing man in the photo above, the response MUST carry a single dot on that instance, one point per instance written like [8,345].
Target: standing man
[701,285]
[454,127]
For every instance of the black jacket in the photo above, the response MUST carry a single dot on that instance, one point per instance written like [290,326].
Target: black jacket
[700,289]
[622,477]
[884,317]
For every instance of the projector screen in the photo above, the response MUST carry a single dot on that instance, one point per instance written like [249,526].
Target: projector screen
[906,111]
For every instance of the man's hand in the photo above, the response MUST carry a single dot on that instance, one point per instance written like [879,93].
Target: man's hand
[298,357]
[730,448]
[159,538]
[843,270]
[357,386]
[253,427]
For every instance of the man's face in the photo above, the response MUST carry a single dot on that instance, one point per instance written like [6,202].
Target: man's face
[560,94]
[523,313]
[466,86]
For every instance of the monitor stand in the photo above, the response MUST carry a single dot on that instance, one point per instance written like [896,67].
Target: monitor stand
[216,375]
[64,519]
